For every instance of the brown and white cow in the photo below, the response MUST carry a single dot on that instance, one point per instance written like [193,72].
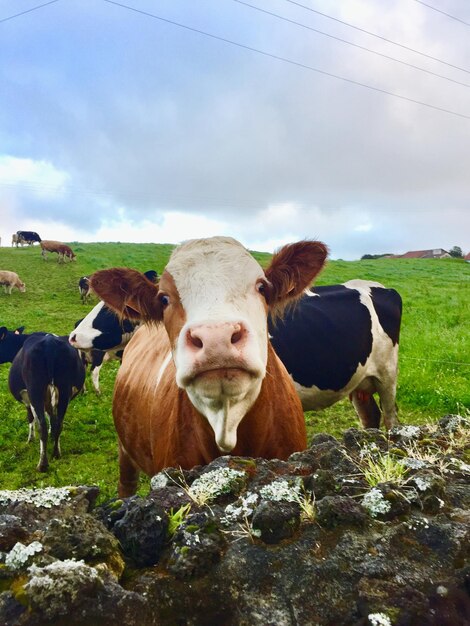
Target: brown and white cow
[9,280]
[63,250]
[200,378]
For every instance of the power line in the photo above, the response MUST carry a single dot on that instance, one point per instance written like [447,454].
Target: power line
[39,6]
[368,32]
[452,17]
[350,43]
[290,61]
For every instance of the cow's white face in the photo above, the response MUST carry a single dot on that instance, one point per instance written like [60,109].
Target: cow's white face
[215,315]
[85,334]
[102,329]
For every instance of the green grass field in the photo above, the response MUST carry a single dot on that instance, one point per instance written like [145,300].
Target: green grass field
[434,352]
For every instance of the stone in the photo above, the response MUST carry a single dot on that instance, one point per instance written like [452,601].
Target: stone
[276,520]
[142,531]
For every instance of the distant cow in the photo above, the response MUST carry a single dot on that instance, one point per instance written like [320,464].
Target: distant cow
[102,335]
[84,288]
[45,375]
[28,236]
[9,280]
[342,340]
[201,378]
[63,250]
[14,240]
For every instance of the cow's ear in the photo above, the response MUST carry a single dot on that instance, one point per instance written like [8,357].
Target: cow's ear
[19,330]
[152,276]
[293,269]
[128,293]
[3,332]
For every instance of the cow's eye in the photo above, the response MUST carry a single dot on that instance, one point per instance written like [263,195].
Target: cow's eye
[261,287]
[164,299]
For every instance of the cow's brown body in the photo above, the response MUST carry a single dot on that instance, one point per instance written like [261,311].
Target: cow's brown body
[62,250]
[159,427]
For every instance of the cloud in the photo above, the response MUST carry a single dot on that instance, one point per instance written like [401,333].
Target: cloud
[174,228]
[43,177]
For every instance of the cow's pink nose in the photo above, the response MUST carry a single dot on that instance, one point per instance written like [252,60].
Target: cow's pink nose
[216,337]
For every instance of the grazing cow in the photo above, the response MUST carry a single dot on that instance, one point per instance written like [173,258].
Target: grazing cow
[28,236]
[9,280]
[84,288]
[15,240]
[342,340]
[200,378]
[63,250]
[102,335]
[46,373]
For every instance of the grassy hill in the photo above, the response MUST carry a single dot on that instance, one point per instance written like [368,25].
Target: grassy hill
[434,351]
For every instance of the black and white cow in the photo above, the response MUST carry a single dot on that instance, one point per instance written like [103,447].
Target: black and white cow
[84,288]
[46,373]
[28,236]
[101,336]
[342,340]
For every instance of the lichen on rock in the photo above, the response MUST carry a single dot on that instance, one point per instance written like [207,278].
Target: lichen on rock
[60,587]
[375,502]
[215,483]
[46,497]
[20,555]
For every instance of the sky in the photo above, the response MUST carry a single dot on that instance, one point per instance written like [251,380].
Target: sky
[177,119]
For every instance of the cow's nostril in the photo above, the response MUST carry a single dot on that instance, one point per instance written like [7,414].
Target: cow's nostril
[195,340]
[236,336]
[72,338]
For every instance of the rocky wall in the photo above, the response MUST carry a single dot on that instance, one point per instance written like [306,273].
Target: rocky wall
[373,529]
